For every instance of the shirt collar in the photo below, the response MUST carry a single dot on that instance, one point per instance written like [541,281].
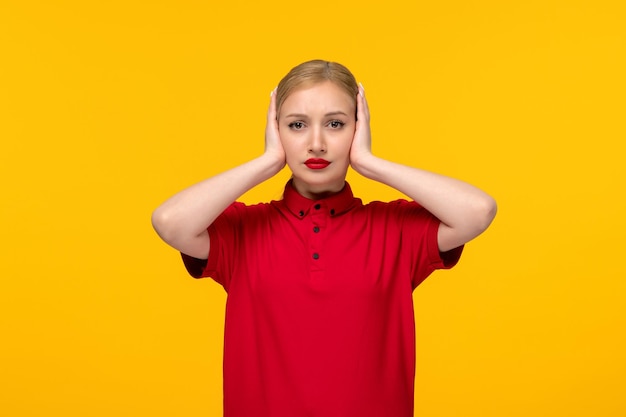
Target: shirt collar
[335,205]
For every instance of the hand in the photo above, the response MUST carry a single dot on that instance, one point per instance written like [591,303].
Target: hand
[273,145]
[361,149]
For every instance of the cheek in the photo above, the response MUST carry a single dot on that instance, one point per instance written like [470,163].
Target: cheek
[346,140]
[283,134]
[289,145]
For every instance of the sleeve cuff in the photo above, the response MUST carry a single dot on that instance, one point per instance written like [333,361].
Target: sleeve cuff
[195,267]
[441,260]
[201,268]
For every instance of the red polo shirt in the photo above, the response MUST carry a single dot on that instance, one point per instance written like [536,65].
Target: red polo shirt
[319,315]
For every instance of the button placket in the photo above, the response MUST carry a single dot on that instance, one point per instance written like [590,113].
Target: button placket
[318,217]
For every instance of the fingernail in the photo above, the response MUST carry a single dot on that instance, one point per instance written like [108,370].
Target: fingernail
[273,91]
[362,90]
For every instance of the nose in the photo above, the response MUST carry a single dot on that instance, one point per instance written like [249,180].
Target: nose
[317,142]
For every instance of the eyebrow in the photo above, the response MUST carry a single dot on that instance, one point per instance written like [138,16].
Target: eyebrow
[332,113]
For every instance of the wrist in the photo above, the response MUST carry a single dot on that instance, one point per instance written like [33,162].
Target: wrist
[274,161]
[365,164]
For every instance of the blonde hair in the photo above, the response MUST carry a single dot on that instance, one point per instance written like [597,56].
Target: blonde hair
[314,72]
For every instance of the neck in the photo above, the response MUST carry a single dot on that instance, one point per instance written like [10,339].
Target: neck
[314,192]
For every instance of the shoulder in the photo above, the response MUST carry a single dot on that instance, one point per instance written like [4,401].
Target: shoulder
[403,214]
[396,207]
[240,208]
[242,213]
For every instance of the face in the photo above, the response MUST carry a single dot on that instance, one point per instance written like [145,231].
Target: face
[317,125]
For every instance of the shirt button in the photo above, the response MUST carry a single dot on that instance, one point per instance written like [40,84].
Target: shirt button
[301,213]
[316,256]
[317,207]
[316,229]
[332,211]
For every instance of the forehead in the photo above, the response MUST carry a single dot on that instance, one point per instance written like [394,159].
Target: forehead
[320,97]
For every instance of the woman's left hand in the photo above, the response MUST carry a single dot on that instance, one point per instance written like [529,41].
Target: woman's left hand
[361,149]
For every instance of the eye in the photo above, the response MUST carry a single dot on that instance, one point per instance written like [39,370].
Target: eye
[296,125]
[336,124]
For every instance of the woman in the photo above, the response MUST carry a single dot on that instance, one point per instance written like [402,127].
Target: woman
[319,316]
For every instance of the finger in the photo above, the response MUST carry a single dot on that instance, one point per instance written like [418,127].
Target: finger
[362,107]
[362,113]
[271,112]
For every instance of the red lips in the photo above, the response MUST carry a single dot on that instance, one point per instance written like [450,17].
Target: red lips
[316,163]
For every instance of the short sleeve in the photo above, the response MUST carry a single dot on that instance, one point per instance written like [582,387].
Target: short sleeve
[223,234]
[419,233]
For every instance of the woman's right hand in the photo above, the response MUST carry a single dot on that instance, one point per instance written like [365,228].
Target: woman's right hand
[273,145]
[183,219]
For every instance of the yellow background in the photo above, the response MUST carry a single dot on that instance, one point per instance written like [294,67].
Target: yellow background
[109,107]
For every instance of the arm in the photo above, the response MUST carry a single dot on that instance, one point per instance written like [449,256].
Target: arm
[464,210]
[183,219]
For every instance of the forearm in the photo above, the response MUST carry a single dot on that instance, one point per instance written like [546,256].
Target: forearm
[465,210]
[188,214]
